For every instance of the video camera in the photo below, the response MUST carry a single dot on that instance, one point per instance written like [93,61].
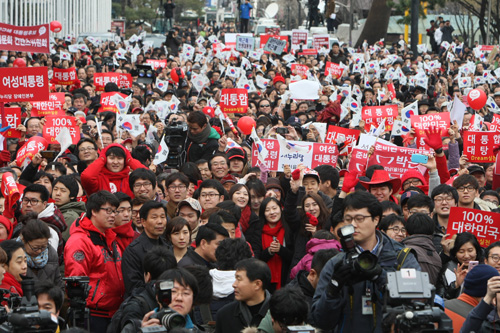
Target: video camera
[26,317]
[175,138]
[408,304]
[364,264]
[77,288]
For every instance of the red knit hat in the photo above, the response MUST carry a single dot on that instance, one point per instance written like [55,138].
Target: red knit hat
[278,78]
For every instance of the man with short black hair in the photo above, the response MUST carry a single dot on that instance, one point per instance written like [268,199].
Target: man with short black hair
[208,239]
[153,217]
[50,298]
[329,179]
[444,197]
[202,138]
[467,188]
[142,182]
[219,166]
[210,193]
[251,303]
[176,186]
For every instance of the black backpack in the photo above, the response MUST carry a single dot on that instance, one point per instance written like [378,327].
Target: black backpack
[115,325]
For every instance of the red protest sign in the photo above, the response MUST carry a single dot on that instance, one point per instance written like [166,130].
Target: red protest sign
[30,149]
[396,160]
[478,146]
[13,118]
[301,70]
[121,80]
[298,37]
[52,107]
[33,39]
[107,103]
[64,76]
[308,52]
[265,38]
[482,224]
[359,158]
[336,133]
[234,100]
[157,63]
[320,41]
[421,123]
[333,69]
[54,125]
[24,84]
[374,115]
[487,48]
[494,126]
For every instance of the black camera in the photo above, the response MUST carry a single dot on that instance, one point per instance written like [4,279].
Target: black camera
[108,61]
[175,138]
[365,264]
[282,130]
[77,288]
[167,317]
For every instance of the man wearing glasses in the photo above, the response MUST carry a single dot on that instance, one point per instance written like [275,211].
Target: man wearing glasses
[341,296]
[444,197]
[176,186]
[265,106]
[92,251]
[467,188]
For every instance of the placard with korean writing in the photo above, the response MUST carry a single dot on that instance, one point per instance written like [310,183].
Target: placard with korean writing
[24,39]
[494,126]
[30,149]
[275,45]
[157,63]
[421,123]
[244,43]
[64,76]
[24,84]
[333,69]
[234,100]
[299,37]
[121,80]
[320,41]
[309,153]
[53,126]
[13,118]
[396,160]
[52,107]
[482,224]
[107,103]
[337,134]
[374,115]
[265,38]
[358,161]
[298,69]
[478,146]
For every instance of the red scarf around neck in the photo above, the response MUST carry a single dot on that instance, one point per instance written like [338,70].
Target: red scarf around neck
[245,218]
[275,262]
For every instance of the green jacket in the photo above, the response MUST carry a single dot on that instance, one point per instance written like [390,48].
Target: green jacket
[71,211]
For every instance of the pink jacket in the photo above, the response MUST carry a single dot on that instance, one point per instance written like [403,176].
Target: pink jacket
[313,246]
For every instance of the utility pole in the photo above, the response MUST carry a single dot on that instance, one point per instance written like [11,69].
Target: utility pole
[415,6]
[489,22]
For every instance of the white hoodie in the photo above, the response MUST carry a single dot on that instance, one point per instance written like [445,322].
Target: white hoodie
[222,282]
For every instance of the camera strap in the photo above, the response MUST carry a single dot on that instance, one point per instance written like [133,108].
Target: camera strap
[402,255]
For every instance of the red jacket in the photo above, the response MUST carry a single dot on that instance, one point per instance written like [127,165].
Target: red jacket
[88,252]
[125,234]
[97,177]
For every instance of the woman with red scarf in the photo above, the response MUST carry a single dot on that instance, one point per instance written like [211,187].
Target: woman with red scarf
[240,195]
[272,241]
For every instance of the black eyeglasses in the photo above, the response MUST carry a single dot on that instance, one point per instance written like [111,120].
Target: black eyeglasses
[37,248]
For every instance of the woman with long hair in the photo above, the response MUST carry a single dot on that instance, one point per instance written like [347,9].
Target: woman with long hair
[178,233]
[240,195]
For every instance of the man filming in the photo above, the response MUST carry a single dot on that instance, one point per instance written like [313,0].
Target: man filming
[350,297]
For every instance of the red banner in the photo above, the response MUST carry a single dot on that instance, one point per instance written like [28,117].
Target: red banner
[13,117]
[396,160]
[358,160]
[64,76]
[54,125]
[482,224]
[157,63]
[265,38]
[421,123]
[301,70]
[107,103]
[52,107]
[308,52]
[234,100]
[30,148]
[24,84]
[335,70]
[478,146]
[122,80]
[494,126]
[10,192]
[350,136]
[33,39]
[374,115]
[321,41]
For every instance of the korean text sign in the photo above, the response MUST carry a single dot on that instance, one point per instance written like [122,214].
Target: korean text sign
[234,100]
[30,149]
[24,39]
[244,43]
[478,146]
[311,154]
[358,160]
[421,123]
[396,160]
[320,41]
[333,69]
[121,80]
[155,63]
[13,118]
[24,84]
[54,125]
[107,103]
[374,115]
[275,45]
[484,225]
[336,133]
[298,37]
[265,38]
[299,69]
[51,107]
[64,76]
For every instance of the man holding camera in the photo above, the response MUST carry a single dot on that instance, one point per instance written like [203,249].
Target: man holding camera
[350,292]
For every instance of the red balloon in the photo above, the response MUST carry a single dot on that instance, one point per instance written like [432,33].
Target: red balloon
[477,99]
[175,76]
[209,111]
[19,62]
[245,124]
[55,26]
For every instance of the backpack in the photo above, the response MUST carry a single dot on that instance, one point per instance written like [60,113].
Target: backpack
[115,325]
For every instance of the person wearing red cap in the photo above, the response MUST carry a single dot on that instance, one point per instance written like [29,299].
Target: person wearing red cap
[278,78]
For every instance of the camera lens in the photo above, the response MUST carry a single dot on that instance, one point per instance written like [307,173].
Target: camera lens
[367,261]
[173,320]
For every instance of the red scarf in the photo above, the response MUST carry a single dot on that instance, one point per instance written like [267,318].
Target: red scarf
[275,262]
[245,218]
[10,283]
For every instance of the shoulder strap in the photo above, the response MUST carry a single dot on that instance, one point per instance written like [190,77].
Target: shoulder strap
[145,304]
[402,255]
[206,313]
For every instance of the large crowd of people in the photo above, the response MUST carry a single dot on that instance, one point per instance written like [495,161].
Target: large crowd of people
[246,248]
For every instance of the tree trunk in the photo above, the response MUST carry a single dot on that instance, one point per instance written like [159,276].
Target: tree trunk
[376,24]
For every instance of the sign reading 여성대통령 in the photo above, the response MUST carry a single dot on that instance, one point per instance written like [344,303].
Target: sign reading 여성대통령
[24,84]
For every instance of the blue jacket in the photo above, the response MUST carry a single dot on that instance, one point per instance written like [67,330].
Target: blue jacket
[245,10]
[336,313]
